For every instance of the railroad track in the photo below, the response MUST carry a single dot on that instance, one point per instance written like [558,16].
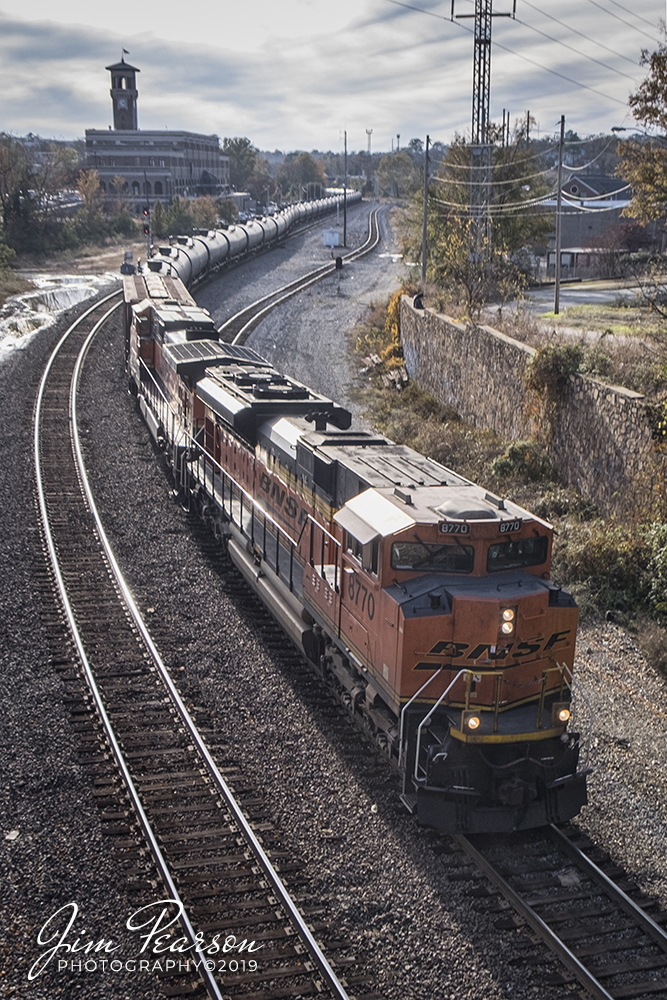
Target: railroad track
[238,328]
[588,912]
[205,824]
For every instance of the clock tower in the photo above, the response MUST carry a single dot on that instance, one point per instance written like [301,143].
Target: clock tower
[124,95]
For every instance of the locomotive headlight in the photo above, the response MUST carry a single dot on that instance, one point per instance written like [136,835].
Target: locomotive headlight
[470,721]
[560,713]
[507,623]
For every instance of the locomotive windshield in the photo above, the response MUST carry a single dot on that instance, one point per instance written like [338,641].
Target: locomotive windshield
[513,554]
[439,558]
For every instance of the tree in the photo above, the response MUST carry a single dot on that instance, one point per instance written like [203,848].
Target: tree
[397,176]
[90,191]
[300,170]
[227,210]
[205,212]
[159,220]
[644,159]
[17,179]
[488,272]
[242,158]
[476,261]
[179,217]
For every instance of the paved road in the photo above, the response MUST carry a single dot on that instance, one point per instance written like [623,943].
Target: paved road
[542,300]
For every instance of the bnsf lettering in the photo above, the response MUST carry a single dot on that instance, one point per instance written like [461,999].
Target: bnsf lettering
[454,649]
[526,648]
[457,649]
[557,637]
[278,495]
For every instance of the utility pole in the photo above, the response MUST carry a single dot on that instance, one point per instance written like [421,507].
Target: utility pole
[559,204]
[148,228]
[345,196]
[369,168]
[428,140]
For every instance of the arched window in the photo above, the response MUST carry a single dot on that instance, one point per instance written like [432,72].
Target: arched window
[147,187]
[158,187]
[123,83]
[135,187]
[103,185]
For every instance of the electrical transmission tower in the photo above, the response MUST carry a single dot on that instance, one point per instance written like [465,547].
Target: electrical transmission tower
[480,152]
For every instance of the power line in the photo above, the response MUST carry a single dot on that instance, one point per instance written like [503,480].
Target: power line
[514,180]
[576,51]
[569,27]
[524,159]
[512,52]
[633,13]
[605,197]
[622,19]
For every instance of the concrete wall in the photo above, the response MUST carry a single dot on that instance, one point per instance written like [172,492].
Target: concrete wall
[602,438]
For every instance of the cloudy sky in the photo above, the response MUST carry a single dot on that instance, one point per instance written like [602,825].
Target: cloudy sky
[293,74]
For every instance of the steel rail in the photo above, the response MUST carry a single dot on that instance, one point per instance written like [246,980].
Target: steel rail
[298,284]
[131,788]
[624,901]
[323,270]
[62,589]
[569,960]
[262,858]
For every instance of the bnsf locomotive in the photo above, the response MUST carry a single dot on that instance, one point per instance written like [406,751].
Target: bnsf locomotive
[424,600]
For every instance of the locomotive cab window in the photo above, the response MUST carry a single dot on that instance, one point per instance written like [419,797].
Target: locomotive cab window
[517,553]
[439,558]
[367,555]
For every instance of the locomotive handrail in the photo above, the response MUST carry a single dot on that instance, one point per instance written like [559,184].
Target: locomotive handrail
[407,705]
[242,493]
[332,538]
[428,717]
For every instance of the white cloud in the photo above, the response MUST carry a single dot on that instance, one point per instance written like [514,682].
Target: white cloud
[294,74]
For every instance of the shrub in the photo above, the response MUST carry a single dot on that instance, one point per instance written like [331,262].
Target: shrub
[550,367]
[608,562]
[653,642]
[526,460]
[656,537]
[560,502]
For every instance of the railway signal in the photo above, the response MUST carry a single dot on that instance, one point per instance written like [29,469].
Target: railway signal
[147,229]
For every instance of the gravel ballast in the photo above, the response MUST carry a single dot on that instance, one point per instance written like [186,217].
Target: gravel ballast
[418,933]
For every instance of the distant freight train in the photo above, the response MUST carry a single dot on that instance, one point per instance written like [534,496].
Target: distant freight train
[424,600]
[192,258]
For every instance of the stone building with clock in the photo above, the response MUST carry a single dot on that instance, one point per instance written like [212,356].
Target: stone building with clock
[154,165]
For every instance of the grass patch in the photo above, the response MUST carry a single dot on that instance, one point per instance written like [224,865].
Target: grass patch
[12,284]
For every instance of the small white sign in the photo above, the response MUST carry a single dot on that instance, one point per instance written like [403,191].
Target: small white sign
[331,237]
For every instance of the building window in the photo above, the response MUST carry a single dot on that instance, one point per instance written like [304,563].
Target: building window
[162,163]
[135,187]
[147,187]
[158,187]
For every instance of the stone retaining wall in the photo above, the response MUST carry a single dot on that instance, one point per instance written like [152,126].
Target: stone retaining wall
[602,437]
